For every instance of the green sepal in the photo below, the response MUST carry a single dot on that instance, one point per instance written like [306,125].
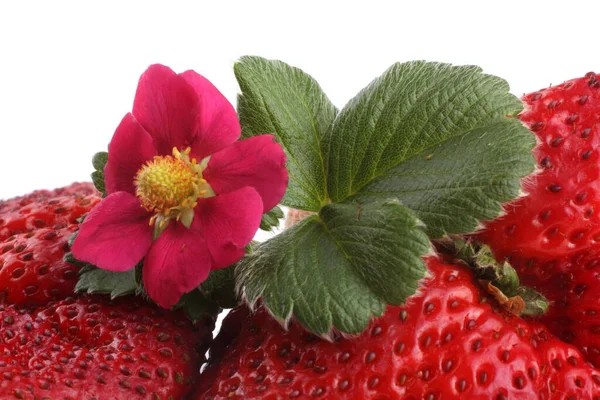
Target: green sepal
[96,280]
[501,275]
[99,162]
[535,302]
[271,219]
[70,258]
[219,287]
[98,181]
[196,305]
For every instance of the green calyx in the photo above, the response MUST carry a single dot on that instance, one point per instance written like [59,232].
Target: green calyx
[499,279]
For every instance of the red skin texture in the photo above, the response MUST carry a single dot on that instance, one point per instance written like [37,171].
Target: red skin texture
[33,270]
[561,216]
[34,234]
[449,341]
[552,237]
[46,209]
[93,348]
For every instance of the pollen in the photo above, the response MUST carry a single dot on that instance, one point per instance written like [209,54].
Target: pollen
[165,182]
[169,186]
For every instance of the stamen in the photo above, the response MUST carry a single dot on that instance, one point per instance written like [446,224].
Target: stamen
[163,224]
[169,187]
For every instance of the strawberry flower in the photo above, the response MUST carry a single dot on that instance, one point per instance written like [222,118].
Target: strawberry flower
[183,193]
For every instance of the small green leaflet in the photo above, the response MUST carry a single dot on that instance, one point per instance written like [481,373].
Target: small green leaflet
[338,268]
[288,103]
[99,162]
[96,280]
[437,138]
[271,218]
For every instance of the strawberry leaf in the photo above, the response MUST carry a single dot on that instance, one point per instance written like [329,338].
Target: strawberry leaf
[339,268]
[271,219]
[437,138]
[288,103]
[96,280]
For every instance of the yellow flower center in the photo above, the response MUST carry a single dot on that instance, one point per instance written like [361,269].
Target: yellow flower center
[169,187]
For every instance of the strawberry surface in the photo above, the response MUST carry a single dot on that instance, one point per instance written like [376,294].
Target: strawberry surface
[449,341]
[560,215]
[46,209]
[34,234]
[551,236]
[91,347]
[33,270]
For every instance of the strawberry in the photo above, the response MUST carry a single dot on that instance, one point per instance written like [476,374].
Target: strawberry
[91,347]
[552,235]
[560,216]
[449,341]
[34,231]
[46,209]
[33,270]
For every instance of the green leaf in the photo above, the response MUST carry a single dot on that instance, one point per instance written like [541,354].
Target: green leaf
[279,99]
[197,306]
[220,287]
[271,219]
[437,138]
[338,268]
[96,280]
[68,257]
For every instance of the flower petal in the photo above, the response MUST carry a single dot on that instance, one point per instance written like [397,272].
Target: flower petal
[228,223]
[115,235]
[217,125]
[258,162]
[177,263]
[166,106]
[131,146]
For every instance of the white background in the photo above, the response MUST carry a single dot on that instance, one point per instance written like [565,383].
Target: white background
[68,70]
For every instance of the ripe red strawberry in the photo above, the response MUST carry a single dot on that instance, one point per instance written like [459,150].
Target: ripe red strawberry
[46,209]
[560,217]
[33,270]
[90,347]
[34,231]
[449,341]
[552,235]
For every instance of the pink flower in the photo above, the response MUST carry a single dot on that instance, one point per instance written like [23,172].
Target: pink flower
[183,193]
